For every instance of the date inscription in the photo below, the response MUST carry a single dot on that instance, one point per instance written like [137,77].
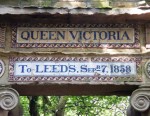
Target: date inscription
[47,68]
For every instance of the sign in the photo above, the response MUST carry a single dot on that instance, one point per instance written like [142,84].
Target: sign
[75,68]
[70,68]
[73,37]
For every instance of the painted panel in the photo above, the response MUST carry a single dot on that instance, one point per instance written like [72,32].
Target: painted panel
[76,36]
[74,69]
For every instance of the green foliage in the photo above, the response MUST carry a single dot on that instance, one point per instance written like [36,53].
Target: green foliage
[25,104]
[46,3]
[93,105]
[78,105]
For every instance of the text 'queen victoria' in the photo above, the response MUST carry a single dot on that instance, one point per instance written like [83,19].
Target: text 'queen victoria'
[75,35]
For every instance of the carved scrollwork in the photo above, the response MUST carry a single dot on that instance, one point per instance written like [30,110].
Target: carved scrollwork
[141,103]
[140,99]
[9,98]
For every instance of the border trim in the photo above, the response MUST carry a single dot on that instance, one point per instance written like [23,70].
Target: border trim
[2,37]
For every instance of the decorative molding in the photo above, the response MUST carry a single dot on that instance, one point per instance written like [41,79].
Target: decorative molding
[9,98]
[2,37]
[78,78]
[134,45]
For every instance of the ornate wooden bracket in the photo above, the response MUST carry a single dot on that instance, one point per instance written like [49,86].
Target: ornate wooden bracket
[9,98]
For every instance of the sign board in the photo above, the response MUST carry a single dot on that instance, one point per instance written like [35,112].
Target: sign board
[76,37]
[73,68]
[62,68]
